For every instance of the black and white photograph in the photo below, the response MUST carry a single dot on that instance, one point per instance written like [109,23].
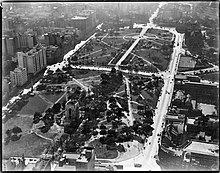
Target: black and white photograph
[110,86]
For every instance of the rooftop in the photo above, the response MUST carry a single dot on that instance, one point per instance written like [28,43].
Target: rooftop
[203,148]
[65,168]
[71,155]
[187,62]
[78,18]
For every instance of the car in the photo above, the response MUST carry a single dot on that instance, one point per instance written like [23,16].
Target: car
[137,165]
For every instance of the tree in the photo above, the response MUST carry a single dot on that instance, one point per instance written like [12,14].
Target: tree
[102,127]
[8,132]
[45,129]
[113,70]
[16,130]
[15,137]
[56,107]
[94,133]
[103,132]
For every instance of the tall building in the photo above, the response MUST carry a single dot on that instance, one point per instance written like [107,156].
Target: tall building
[34,60]
[10,46]
[30,41]
[18,76]
[4,46]
[23,41]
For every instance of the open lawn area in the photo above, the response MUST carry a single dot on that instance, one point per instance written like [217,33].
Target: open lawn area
[52,97]
[114,41]
[35,104]
[155,57]
[85,73]
[214,77]
[22,121]
[30,145]
[90,80]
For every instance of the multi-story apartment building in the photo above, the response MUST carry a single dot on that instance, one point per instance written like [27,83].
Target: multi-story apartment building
[10,46]
[24,41]
[34,60]
[18,76]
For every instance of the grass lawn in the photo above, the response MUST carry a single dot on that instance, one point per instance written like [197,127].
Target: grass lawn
[30,145]
[160,61]
[214,77]
[90,80]
[52,97]
[85,73]
[114,41]
[35,104]
[156,31]
[22,121]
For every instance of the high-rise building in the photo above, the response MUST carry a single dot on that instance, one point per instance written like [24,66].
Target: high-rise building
[34,60]
[30,41]
[18,76]
[4,46]
[10,46]
[23,41]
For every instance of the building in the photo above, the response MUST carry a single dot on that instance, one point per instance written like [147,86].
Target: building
[19,163]
[84,161]
[4,46]
[85,21]
[34,60]
[203,153]
[186,63]
[71,111]
[18,76]
[51,54]
[10,46]
[80,23]
[24,41]
[5,85]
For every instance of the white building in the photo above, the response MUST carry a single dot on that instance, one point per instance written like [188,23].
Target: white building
[34,60]
[18,76]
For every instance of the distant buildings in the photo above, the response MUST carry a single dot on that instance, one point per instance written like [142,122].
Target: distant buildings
[13,43]
[18,76]
[84,21]
[34,60]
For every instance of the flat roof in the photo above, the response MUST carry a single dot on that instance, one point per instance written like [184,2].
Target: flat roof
[65,168]
[186,61]
[78,18]
[71,155]
[202,148]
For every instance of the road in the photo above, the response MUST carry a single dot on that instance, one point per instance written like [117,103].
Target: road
[148,157]
[130,117]
[108,69]
[132,46]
